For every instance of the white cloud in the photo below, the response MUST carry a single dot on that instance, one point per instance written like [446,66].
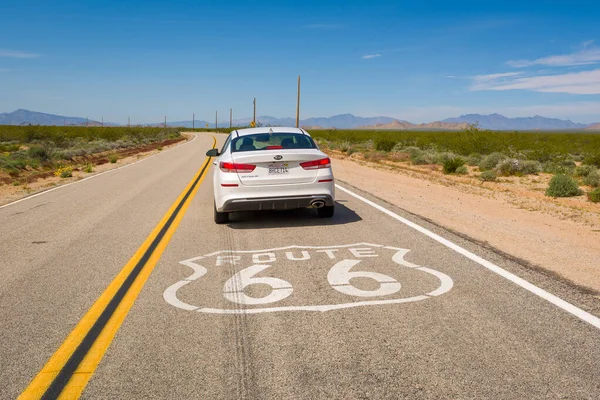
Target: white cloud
[587,55]
[585,82]
[369,56]
[17,54]
[494,77]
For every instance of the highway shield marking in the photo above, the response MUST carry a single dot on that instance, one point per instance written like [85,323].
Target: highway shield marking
[346,261]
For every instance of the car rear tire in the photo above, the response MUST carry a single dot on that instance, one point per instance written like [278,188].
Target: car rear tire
[325,212]
[221,217]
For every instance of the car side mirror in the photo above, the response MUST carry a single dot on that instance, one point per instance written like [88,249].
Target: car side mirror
[212,153]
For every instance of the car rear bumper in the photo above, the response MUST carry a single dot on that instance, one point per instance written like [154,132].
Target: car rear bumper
[275,203]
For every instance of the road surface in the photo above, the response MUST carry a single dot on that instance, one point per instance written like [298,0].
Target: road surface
[121,286]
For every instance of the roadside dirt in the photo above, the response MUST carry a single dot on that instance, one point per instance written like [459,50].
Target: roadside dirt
[35,182]
[559,235]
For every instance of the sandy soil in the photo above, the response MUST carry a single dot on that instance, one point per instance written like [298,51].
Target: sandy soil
[44,181]
[514,216]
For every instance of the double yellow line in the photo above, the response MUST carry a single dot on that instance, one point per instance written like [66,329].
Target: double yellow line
[70,368]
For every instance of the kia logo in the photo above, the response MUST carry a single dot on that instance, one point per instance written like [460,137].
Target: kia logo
[278,157]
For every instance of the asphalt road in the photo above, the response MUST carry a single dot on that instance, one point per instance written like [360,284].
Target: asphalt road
[279,304]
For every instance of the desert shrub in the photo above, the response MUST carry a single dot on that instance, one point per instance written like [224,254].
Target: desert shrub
[421,158]
[462,170]
[531,167]
[9,147]
[413,151]
[594,195]
[40,153]
[384,144]
[488,176]
[89,168]
[345,146]
[452,164]
[557,168]
[592,179]
[64,172]
[491,161]
[113,158]
[584,170]
[398,147]
[562,185]
[508,167]
[592,159]
[474,159]
[577,157]
[441,158]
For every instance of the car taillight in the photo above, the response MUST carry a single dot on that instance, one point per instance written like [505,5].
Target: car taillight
[316,164]
[234,167]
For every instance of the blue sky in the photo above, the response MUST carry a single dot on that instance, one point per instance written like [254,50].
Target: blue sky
[419,61]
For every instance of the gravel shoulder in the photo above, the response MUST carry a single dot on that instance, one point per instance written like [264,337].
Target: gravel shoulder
[560,237]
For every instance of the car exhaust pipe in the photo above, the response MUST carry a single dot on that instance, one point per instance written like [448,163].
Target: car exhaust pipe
[317,204]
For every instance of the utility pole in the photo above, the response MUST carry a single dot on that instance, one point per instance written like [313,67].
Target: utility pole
[102,121]
[298,105]
[230,117]
[254,118]
[87,120]
[165,121]
[217,121]
[128,121]
[193,120]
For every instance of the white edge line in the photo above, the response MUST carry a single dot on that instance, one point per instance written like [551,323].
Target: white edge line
[557,301]
[93,176]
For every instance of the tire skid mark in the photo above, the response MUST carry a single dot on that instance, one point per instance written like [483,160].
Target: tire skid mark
[244,371]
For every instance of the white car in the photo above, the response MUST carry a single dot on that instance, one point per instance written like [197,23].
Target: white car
[271,169]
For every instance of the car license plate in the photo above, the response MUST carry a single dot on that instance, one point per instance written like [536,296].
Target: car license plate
[278,169]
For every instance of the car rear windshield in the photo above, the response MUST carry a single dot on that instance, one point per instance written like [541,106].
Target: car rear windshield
[272,141]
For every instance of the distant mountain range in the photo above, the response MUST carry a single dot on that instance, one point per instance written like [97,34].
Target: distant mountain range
[500,122]
[342,121]
[26,117]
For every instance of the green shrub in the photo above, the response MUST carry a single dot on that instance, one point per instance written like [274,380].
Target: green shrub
[462,170]
[592,159]
[491,161]
[474,159]
[113,158]
[89,168]
[594,195]
[421,158]
[345,146]
[452,164]
[531,167]
[488,176]
[64,172]
[384,144]
[562,185]
[592,179]
[556,168]
[40,153]
[584,170]
[441,158]
[509,167]
[413,151]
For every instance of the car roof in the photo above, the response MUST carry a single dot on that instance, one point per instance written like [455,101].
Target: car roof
[266,129]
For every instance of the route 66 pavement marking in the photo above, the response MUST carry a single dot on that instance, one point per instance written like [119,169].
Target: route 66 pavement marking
[344,257]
